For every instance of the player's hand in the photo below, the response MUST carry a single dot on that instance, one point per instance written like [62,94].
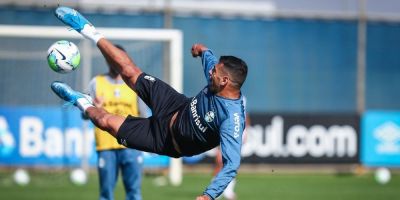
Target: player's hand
[197,49]
[203,197]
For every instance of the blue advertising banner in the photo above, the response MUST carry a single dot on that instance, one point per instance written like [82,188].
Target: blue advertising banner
[51,136]
[380,139]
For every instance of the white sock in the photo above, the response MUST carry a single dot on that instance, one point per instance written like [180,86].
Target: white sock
[90,32]
[83,104]
[229,192]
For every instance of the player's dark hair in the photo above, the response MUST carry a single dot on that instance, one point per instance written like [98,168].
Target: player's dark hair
[236,68]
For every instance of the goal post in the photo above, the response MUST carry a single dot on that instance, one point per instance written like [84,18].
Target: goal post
[173,38]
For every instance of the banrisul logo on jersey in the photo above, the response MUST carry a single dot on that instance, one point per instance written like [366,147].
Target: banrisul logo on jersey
[196,116]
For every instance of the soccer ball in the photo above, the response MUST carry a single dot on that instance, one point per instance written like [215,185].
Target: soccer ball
[63,56]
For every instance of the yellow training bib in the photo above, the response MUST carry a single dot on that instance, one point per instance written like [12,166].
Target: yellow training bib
[118,99]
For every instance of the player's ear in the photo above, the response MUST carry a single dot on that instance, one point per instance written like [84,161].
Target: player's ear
[224,80]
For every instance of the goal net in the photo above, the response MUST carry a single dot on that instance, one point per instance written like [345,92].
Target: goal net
[25,76]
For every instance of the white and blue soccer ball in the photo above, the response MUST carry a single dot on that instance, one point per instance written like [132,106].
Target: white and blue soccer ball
[63,56]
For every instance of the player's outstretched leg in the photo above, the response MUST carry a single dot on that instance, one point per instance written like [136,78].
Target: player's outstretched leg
[65,92]
[100,117]
[118,59]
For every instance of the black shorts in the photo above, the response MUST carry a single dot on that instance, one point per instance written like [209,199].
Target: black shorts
[153,134]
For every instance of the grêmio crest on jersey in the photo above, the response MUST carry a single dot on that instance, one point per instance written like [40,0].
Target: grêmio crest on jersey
[209,117]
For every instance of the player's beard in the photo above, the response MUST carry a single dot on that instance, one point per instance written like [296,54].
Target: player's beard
[214,88]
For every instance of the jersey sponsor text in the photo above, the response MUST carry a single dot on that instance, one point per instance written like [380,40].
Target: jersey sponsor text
[196,117]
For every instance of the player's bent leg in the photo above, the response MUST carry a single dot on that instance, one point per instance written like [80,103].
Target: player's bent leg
[104,120]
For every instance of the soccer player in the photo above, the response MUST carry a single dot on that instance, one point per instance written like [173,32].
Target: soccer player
[179,126]
[111,93]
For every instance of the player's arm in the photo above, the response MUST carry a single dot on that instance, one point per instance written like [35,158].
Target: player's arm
[230,148]
[208,59]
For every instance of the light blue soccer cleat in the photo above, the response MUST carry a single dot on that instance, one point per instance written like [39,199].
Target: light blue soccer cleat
[66,93]
[71,18]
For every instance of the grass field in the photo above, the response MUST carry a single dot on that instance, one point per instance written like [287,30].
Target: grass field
[56,185]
